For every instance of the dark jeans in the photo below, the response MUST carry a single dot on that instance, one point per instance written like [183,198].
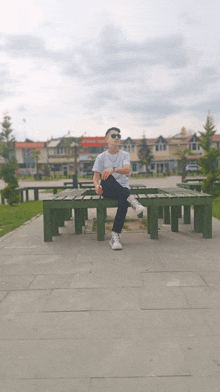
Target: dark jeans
[113,190]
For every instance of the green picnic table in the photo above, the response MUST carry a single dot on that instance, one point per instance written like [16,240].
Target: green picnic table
[197,186]
[160,202]
[194,179]
[21,190]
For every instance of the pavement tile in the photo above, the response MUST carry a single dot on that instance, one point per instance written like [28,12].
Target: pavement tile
[172,279]
[165,298]
[3,294]
[93,299]
[41,264]
[156,384]
[46,385]
[92,358]
[107,278]
[14,282]
[128,324]
[212,279]
[202,297]
[57,281]
[24,301]
[202,354]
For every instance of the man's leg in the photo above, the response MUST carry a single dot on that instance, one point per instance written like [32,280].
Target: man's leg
[113,190]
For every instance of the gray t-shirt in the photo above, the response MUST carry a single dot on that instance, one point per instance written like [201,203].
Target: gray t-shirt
[106,161]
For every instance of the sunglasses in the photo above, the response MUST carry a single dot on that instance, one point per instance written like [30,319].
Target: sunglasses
[114,135]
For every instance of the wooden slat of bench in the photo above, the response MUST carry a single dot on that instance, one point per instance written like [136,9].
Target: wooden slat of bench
[78,197]
[151,196]
[161,195]
[59,197]
[96,197]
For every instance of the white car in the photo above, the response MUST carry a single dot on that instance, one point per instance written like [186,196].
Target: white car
[192,167]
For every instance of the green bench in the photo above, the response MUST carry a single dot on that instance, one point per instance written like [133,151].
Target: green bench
[36,189]
[195,186]
[194,179]
[163,203]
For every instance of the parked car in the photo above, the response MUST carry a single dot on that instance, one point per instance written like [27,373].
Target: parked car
[192,168]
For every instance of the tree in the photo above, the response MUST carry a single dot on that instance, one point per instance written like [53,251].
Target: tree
[73,143]
[36,155]
[183,160]
[8,170]
[7,148]
[145,154]
[209,161]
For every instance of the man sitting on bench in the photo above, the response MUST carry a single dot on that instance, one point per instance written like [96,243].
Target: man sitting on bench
[113,165]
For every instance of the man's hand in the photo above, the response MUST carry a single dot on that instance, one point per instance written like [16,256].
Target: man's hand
[107,173]
[99,190]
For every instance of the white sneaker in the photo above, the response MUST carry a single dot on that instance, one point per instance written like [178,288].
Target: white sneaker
[137,207]
[114,242]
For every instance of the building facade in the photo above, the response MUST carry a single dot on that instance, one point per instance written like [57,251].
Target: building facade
[63,155]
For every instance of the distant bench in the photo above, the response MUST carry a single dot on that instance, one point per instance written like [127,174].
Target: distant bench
[163,203]
[21,190]
[194,179]
[195,186]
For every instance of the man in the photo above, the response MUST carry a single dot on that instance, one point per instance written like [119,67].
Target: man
[114,165]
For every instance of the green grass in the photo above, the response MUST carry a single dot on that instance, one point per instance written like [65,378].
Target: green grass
[216,208]
[12,217]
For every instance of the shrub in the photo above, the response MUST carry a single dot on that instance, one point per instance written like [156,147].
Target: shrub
[10,194]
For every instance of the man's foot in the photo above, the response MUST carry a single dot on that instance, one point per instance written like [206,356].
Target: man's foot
[137,207]
[115,242]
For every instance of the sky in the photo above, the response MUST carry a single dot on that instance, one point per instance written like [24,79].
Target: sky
[149,67]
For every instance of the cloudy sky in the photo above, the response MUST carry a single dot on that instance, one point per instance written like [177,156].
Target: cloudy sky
[148,66]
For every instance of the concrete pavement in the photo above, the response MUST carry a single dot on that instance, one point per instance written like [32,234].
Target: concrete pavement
[76,316]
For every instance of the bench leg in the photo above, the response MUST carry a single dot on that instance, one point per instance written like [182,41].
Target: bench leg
[207,221]
[22,197]
[78,220]
[198,219]
[101,212]
[153,223]
[54,191]
[148,219]
[166,216]
[47,224]
[27,198]
[187,217]
[36,194]
[57,222]
[174,218]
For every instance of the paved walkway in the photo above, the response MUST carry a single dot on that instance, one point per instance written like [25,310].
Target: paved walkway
[76,316]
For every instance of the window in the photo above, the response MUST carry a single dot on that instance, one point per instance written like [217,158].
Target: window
[160,147]
[194,146]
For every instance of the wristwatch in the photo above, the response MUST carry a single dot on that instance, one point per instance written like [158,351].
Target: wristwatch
[115,168]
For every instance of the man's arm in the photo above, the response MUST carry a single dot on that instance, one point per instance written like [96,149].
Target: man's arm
[98,187]
[124,170]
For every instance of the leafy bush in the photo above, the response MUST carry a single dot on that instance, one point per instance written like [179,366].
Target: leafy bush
[10,194]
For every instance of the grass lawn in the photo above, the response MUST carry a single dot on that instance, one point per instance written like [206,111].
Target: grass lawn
[216,208]
[12,217]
